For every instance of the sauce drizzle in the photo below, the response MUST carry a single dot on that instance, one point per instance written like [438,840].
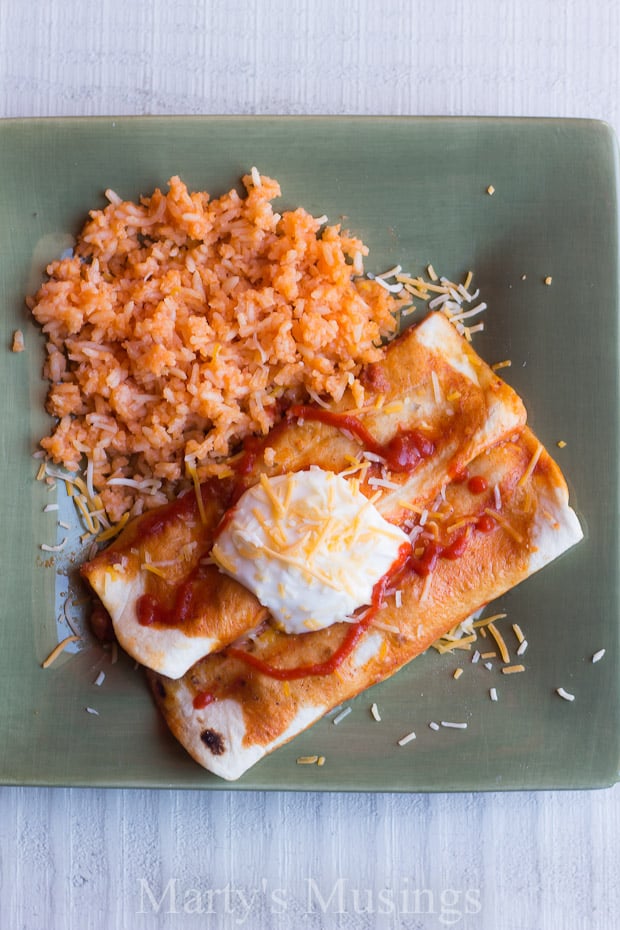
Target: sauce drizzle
[402,453]
[477,484]
[348,644]
[150,610]
[426,563]
[202,700]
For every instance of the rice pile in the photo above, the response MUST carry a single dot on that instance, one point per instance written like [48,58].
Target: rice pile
[182,324]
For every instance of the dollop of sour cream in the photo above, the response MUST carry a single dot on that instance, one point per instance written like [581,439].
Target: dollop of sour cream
[309,545]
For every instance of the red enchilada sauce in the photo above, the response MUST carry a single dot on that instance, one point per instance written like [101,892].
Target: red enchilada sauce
[486,523]
[203,699]
[402,453]
[477,485]
[433,551]
[150,610]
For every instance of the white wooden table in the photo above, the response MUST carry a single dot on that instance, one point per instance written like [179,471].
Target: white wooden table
[80,859]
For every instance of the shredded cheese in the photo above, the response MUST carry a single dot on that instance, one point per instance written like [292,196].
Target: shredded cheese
[531,466]
[191,468]
[444,645]
[391,273]
[486,620]
[415,292]
[470,330]
[91,522]
[113,531]
[466,314]
[58,649]
[153,569]
[497,497]
[58,548]
[566,695]
[497,636]
[504,524]
[466,521]
[426,588]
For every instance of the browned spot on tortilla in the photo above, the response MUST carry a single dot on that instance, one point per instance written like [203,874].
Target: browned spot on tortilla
[213,741]
[160,689]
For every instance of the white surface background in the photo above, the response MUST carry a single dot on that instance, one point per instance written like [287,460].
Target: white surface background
[76,858]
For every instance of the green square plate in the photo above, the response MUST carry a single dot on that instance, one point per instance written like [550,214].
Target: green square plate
[416,191]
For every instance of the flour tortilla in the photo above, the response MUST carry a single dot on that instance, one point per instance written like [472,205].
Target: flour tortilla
[252,713]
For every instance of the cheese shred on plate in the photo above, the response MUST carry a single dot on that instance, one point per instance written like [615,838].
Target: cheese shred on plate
[58,649]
